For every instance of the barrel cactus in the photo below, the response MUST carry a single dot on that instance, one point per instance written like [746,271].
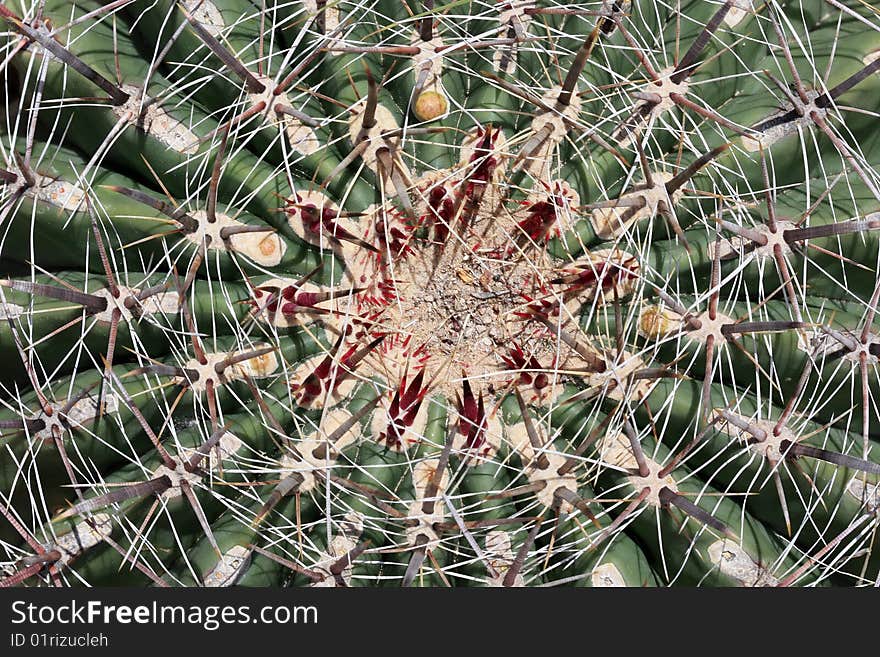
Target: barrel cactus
[401,293]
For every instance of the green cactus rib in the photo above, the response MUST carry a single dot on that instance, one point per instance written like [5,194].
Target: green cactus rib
[390,293]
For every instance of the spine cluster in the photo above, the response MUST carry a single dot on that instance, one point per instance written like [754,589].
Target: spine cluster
[394,293]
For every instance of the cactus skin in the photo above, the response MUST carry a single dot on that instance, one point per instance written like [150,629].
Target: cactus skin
[388,293]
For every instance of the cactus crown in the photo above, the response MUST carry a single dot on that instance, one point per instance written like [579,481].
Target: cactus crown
[387,292]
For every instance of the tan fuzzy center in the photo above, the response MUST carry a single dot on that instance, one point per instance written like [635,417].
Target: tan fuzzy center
[207,15]
[227,568]
[302,138]
[264,248]
[86,534]
[776,133]
[611,223]
[733,561]
[606,575]
[617,451]
[156,122]
[257,367]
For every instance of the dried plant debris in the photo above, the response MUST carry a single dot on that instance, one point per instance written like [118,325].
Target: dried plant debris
[395,293]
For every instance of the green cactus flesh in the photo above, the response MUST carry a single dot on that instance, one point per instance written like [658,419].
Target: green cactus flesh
[401,293]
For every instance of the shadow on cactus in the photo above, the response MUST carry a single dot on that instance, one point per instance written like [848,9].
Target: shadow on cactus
[394,293]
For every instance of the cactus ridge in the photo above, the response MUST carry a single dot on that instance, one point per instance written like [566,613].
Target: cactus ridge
[395,293]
